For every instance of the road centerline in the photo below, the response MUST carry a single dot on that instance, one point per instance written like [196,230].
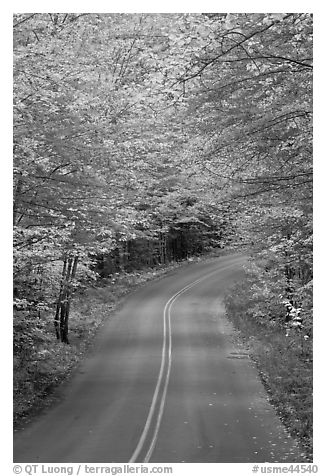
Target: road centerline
[164,373]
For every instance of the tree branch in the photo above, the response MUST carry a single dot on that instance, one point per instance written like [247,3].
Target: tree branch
[25,19]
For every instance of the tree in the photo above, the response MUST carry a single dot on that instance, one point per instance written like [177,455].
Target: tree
[81,84]
[224,138]
[247,80]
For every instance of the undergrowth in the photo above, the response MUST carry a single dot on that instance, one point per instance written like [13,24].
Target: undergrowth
[284,362]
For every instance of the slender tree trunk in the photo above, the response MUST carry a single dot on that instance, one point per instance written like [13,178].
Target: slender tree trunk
[60,297]
[163,248]
[63,305]
[120,253]
[17,194]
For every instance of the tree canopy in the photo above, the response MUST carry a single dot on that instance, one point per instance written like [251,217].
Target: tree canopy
[178,131]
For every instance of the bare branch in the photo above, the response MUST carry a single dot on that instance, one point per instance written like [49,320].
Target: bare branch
[24,20]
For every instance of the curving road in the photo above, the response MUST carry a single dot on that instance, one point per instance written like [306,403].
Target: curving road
[165,383]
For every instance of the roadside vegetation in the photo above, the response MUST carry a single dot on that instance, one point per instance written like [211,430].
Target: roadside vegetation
[281,348]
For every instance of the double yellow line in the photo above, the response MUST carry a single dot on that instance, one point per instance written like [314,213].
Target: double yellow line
[163,377]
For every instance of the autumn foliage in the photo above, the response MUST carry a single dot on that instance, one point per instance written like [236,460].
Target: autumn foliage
[141,139]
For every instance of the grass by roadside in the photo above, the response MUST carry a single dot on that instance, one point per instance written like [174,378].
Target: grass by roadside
[285,366]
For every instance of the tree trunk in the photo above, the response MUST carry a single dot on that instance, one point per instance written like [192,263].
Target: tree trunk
[63,305]
[162,248]
[60,297]
[17,194]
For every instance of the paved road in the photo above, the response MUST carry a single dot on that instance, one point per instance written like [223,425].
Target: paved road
[165,383]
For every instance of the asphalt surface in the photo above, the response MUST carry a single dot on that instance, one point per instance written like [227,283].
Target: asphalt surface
[166,382]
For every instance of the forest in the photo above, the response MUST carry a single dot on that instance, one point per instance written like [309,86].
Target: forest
[143,140]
